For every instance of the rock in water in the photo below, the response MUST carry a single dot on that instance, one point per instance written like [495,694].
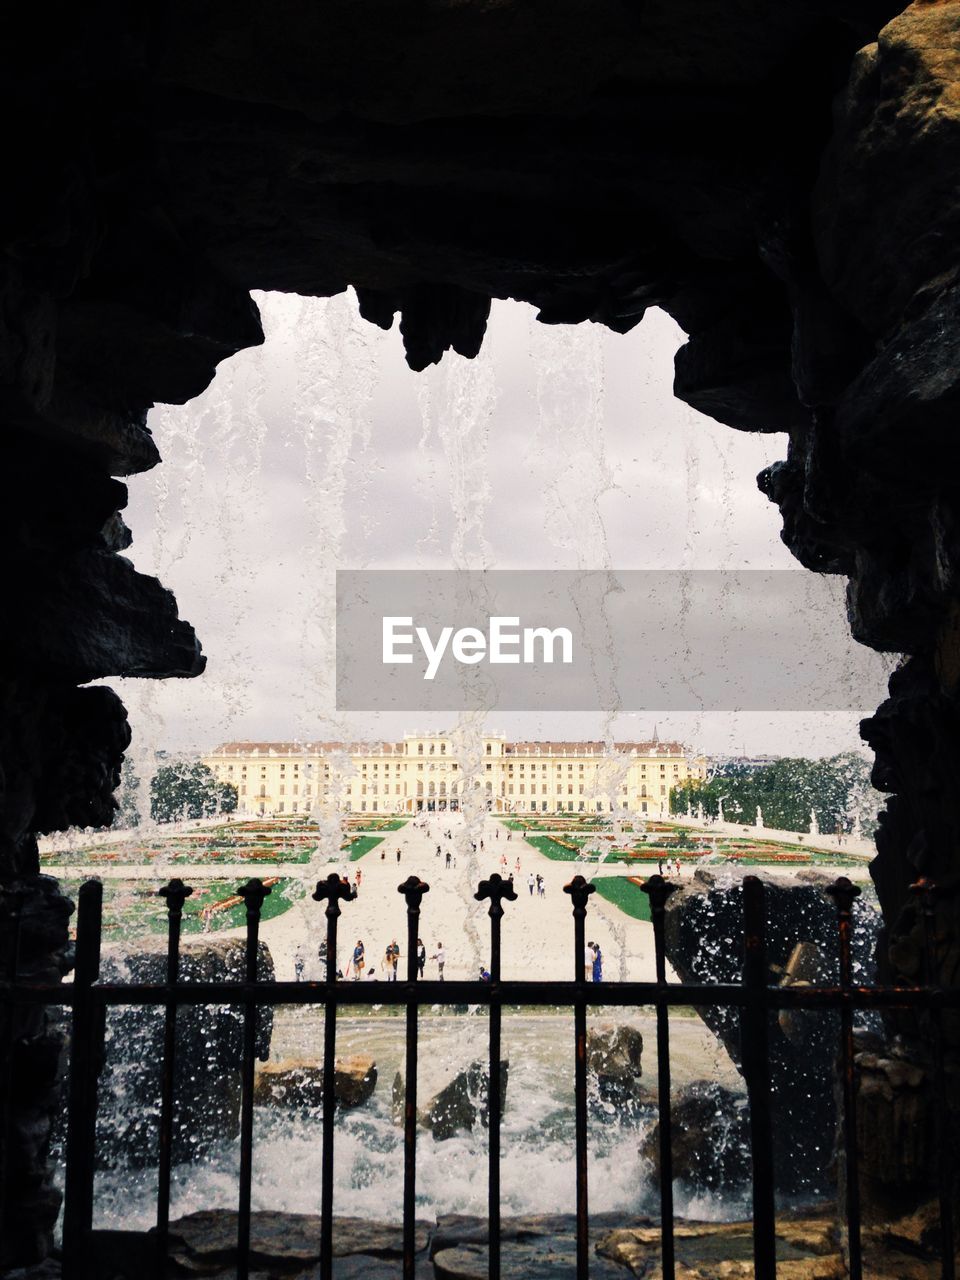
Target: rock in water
[711,1137]
[288,1244]
[704,943]
[209,1049]
[294,1082]
[614,1062]
[459,1105]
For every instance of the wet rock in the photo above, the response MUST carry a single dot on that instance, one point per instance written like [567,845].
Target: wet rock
[538,1247]
[896,1138]
[704,943]
[711,1136]
[209,1048]
[292,1082]
[614,1063]
[808,1247]
[459,1105]
[286,1244]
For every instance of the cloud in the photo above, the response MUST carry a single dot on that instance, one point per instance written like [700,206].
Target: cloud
[558,446]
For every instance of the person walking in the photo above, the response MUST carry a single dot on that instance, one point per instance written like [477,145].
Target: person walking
[540,886]
[391,958]
[358,960]
[588,959]
[597,962]
[659,866]
[503,863]
[448,860]
[531,883]
[516,866]
[358,880]
[398,855]
[421,957]
[441,958]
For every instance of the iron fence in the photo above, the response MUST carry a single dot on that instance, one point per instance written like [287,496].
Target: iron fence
[753,997]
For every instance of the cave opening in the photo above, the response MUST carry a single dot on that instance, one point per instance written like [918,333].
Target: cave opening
[782,186]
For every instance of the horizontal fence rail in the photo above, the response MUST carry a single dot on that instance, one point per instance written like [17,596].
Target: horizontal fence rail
[753,997]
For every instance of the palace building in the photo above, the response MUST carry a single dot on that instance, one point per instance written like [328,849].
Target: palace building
[442,772]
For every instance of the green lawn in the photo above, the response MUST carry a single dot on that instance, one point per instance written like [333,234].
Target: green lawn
[626,895]
[361,845]
[379,824]
[132,908]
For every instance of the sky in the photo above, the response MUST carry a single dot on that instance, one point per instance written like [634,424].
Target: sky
[558,447]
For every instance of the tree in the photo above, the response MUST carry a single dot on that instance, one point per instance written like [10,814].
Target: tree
[188,789]
[787,792]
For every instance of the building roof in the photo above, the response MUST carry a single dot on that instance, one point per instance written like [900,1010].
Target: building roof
[307,748]
[529,748]
[594,748]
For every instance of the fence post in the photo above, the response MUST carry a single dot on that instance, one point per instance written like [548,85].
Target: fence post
[580,890]
[176,894]
[82,1095]
[843,893]
[254,892]
[413,891]
[755,1060]
[335,889]
[658,891]
[926,890]
[495,889]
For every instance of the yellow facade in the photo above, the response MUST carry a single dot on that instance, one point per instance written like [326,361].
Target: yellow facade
[437,773]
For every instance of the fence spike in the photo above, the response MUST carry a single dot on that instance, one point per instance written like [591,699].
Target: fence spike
[579,890]
[496,889]
[334,890]
[175,893]
[413,890]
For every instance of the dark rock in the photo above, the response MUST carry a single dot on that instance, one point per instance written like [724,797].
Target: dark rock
[209,1047]
[284,1244]
[704,943]
[33,912]
[461,1104]
[614,1065]
[542,1246]
[711,1139]
[291,1082]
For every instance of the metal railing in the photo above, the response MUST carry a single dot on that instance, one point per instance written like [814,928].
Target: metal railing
[755,999]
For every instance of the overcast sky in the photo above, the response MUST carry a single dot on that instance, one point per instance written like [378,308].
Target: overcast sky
[559,447]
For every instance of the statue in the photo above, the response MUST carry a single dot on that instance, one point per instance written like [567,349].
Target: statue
[758,822]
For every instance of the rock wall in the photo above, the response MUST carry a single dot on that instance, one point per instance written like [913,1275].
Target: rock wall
[782,180]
